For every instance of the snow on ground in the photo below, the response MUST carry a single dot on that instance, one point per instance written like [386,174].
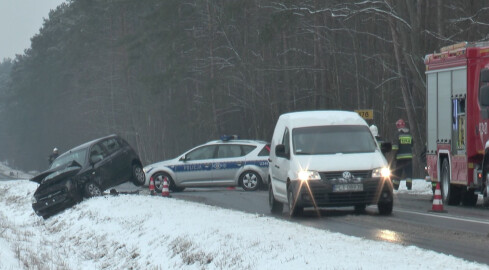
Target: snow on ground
[7,171]
[146,232]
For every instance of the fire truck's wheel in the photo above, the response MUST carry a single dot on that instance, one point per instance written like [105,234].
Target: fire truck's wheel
[469,198]
[451,194]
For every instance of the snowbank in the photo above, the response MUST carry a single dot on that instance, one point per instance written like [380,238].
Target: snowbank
[144,232]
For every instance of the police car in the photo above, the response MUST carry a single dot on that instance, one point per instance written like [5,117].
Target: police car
[226,162]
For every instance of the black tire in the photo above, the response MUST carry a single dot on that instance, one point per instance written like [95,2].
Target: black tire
[485,201]
[385,208]
[138,177]
[294,209]
[409,185]
[250,180]
[451,194]
[276,207]
[469,198]
[92,190]
[158,180]
[360,208]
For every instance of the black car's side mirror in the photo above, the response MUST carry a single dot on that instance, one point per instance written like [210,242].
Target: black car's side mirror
[94,159]
[385,147]
[280,151]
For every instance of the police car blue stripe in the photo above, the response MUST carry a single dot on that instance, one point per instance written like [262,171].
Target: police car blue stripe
[217,166]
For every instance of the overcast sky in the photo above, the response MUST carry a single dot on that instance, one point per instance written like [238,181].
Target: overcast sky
[19,21]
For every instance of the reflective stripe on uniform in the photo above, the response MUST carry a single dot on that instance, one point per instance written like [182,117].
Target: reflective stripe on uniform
[395,147]
[409,180]
[404,156]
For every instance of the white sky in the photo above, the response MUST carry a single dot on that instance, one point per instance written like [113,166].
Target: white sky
[151,232]
[19,21]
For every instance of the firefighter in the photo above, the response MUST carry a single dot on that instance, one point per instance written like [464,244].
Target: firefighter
[375,132]
[53,156]
[404,156]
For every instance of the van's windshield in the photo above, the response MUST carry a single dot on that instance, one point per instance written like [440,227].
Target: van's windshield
[322,140]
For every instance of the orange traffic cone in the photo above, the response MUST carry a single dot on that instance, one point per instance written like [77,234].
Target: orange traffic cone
[151,186]
[165,192]
[437,201]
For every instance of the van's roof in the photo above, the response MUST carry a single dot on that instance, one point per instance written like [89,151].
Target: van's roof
[322,118]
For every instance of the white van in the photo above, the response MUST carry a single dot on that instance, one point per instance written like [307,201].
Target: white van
[327,158]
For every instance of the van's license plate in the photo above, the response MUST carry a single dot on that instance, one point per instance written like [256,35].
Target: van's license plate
[347,187]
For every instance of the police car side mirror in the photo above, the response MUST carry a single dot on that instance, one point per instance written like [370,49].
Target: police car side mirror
[385,147]
[485,75]
[184,158]
[484,96]
[280,151]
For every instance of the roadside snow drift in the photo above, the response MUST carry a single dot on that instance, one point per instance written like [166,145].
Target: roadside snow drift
[144,232]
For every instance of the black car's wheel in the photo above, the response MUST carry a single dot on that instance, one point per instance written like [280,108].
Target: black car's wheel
[385,208]
[294,209]
[159,179]
[276,207]
[250,180]
[92,190]
[138,177]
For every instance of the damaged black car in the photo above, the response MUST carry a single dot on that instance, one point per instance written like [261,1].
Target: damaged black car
[86,171]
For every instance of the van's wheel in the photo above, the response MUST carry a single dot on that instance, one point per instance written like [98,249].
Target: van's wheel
[385,208]
[92,190]
[158,179]
[250,180]
[451,194]
[138,177]
[276,207]
[294,209]
[360,208]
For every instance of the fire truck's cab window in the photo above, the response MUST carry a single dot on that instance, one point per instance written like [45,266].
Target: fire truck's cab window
[458,125]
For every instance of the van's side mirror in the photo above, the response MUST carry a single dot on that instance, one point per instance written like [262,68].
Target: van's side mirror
[485,75]
[280,151]
[484,96]
[385,147]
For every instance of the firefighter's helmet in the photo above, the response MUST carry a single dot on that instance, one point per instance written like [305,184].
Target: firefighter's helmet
[400,124]
[375,130]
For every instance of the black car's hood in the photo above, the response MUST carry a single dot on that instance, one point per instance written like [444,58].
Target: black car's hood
[60,172]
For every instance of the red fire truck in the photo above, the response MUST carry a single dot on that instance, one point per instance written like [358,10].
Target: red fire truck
[457,109]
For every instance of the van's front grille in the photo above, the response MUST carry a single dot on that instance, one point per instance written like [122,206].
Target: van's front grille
[339,175]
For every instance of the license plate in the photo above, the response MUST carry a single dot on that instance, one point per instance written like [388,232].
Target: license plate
[347,187]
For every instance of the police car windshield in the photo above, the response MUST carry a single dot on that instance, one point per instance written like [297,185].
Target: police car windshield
[322,140]
[78,156]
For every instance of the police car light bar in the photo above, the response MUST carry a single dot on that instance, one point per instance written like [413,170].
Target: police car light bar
[226,138]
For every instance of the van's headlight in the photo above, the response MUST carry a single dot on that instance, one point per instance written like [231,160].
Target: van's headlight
[381,172]
[308,175]
[147,169]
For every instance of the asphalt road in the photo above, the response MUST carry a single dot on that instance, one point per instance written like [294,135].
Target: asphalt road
[461,231]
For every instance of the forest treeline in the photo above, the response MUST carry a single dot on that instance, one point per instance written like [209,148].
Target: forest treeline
[170,74]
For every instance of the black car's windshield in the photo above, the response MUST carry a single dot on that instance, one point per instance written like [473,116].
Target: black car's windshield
[332,139]
[78,156]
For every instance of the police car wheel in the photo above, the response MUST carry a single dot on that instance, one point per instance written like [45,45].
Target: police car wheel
[250,180]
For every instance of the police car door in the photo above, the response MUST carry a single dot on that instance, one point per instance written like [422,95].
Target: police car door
[195,168]
[227,164]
